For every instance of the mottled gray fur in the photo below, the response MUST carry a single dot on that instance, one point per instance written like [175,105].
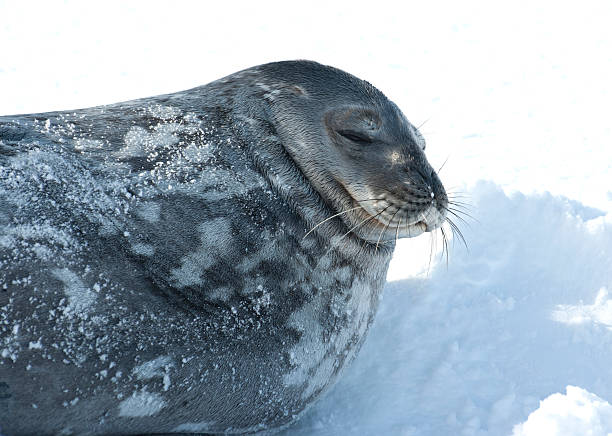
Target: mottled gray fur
[154,275]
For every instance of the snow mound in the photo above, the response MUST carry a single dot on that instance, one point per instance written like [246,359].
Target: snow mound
[579,412]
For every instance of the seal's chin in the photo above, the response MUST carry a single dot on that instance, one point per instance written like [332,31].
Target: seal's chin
[413,230]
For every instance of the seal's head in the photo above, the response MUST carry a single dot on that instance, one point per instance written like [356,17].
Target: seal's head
[363,156]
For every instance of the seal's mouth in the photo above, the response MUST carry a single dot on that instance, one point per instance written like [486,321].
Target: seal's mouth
[378,216]
[382,222]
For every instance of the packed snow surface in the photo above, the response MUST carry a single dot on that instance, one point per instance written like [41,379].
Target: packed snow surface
[514,335]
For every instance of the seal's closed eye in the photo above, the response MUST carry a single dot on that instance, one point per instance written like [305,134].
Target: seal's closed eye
[358,137]
[358,125]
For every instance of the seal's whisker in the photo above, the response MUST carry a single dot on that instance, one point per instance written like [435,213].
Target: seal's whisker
[358,225]
[397,229]
[463,213]
[459,217]
[459,199]
[363,244]
[444,163]
[444,245]
[386,227]
[459,209]
[327,219]
[432,247]
[442,242]
[460,212]
[452,189]
[380,235]
[456,231]
[458,206]
[370,199]
[460,203]
[454,227]
[340,213]
[452,193]
[423,123]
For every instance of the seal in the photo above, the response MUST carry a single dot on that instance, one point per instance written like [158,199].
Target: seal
[200,262]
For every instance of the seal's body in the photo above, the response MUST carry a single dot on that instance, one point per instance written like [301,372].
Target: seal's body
[154,274]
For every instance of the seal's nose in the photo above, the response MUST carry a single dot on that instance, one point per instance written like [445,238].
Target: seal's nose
[434,185]
[426,175]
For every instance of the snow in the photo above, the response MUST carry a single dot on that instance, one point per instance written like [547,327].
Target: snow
[193,427]
[576,413]
[158,367]
[517,95]
[80,298]
[141,404]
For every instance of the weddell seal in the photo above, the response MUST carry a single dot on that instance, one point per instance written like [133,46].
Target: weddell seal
[200,262]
